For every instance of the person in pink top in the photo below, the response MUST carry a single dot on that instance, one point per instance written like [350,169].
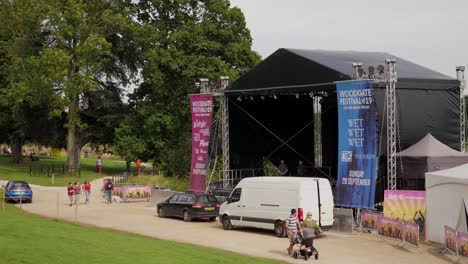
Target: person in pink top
[87,190]
[77,192]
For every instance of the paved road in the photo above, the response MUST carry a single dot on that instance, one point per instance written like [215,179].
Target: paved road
[140,218]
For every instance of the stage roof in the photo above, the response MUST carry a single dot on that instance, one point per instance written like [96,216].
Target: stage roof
[296,69]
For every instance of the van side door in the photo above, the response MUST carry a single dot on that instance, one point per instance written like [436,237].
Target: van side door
[326,202]
[234,206]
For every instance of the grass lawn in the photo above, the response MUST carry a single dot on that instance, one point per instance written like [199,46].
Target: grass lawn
[26,238]
[10,171]
[111,167]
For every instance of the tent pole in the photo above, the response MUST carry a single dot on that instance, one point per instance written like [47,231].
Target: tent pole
[461,79]
[391,79]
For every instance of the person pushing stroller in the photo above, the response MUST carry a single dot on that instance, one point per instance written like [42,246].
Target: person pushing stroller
[305,244]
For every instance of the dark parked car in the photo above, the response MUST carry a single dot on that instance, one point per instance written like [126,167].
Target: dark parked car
[18,190]
[190,206]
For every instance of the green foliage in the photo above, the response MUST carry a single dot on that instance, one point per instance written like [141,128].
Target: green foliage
[183,40]
[173,183]
[55,242]
[62,51]
[130,146]
[102,111]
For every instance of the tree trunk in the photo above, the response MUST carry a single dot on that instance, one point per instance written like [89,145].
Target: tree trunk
[16,153]
[73,137]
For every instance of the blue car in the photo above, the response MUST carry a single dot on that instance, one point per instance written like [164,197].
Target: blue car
[18,190]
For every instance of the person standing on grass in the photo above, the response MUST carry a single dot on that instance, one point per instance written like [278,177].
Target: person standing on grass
[70,191]
[87,190]
[99,164]
[109,188]
[77,192]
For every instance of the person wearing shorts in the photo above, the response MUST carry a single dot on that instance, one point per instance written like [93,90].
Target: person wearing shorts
[293,227]
[70,192]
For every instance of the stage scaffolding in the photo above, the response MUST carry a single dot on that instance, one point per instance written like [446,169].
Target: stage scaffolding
[461,78]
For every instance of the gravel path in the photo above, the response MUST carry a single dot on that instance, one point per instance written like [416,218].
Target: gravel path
[140,218]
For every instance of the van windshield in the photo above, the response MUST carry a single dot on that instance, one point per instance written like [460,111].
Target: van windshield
[235,196]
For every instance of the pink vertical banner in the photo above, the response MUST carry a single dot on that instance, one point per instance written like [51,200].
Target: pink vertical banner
[201,106]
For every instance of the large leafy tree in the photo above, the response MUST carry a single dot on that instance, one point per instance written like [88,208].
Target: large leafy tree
[20,38]
[83,49]
[184,40]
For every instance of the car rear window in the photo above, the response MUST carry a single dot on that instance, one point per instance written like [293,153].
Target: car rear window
[19,185]
[207,198]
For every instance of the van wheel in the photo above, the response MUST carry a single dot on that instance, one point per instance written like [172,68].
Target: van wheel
[187,217]
[227,223]
[279,229]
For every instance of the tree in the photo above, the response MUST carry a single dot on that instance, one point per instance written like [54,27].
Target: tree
[82,50]
[102,111]
[20,38]
[183,40]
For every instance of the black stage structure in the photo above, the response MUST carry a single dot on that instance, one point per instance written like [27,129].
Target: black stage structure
[271,110]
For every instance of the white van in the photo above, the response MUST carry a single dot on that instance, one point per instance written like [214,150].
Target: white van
[265,202]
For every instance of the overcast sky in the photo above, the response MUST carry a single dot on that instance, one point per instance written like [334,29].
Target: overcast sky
[427,32]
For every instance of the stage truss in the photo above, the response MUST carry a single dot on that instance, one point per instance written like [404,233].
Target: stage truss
[461,79]
[390,79]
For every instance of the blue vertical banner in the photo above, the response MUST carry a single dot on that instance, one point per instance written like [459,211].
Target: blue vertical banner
[357,144]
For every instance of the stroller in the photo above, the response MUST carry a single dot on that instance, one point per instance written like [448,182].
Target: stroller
[305,244]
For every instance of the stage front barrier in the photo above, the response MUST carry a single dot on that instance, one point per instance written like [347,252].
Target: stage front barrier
[411,232]
[462,242]
[455,242]
[369,220]
[450,239]
[392,228]
[407,233]
[133,193]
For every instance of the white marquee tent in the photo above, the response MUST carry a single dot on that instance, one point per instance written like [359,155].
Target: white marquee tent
[446,201]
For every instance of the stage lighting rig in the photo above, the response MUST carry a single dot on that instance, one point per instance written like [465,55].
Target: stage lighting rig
[357,70]
[371,71]
[381,69]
